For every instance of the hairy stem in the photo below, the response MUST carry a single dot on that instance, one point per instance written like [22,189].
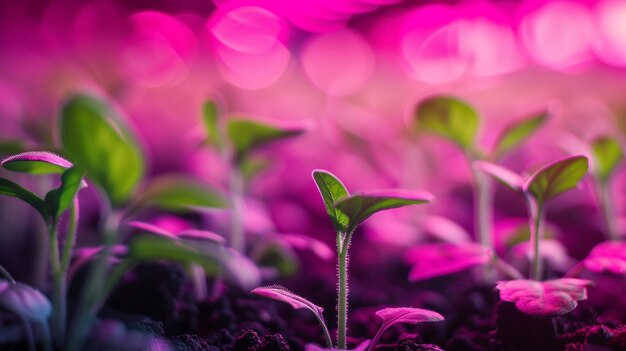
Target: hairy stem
[236,190]
[535,209]
[59,310]
[329,341]
[343,243]
[607,209]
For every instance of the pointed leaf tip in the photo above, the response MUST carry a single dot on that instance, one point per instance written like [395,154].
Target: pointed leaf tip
[517,132]
[557,177]
[607,154]
[331,189]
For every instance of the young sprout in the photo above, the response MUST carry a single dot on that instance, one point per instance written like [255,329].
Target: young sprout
[410,315]
[535,297]
[457,121]
[607,154]
[236,139]
[51,208]
[29,305]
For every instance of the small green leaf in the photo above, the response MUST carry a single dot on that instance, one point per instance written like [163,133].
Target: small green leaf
[515,133]
[145,247]
[450,118]
[8,188]
[557,178]
[250,167]
[180,194]
[246,135]
[60,199]
[359,207]
[332,189]
[607,154]
[106,152]
[210,117]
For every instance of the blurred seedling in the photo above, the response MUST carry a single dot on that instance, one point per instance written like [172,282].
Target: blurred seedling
[236,139]
[534,296]
[458,122]
[347,212]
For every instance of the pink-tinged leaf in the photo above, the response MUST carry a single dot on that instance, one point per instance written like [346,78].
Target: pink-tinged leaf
[433,260]
[445,230]
[394,315]
[557,177]
[609,256]
[504,175]
[86,254]
[151,229]
[359,207]
[361,347]
[279,293]
[303,242]
[545,299]
[201,235]
[36,162]
[25,301]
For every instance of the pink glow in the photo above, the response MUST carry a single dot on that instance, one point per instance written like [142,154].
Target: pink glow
[610,40]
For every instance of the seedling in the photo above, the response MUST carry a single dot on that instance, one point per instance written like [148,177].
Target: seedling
[51,208]
[29,305]
[607,154]
[346,212]
[457,121]
[534,297]
[236,139]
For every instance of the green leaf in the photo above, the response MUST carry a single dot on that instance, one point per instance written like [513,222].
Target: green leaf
[9,188]
[450,118]
[250,167]
[557,178]
[180,194]
[359,207]
[145,247]
[106,152]
[36,162]
[332,189]
[279,256]
[246,135]
[60,199]
[517,132]
[607,154]
[210,115]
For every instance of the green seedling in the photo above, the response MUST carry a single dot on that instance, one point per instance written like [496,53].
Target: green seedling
[535,297]
[346,212]
[457,121]
[236,139]
[51,208]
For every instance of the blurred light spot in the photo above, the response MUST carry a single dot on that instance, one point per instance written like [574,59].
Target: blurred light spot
[338,63]
[558,34]
[159,50]
[248,41]
[610,41]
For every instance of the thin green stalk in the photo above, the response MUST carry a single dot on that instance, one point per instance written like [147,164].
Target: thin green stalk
[482,207]
[607,210]
[89,302]
[329,341]
[59,310]
[7,275]
[70,238]
[343,242]
[535,209]
[236,189]
[374,342]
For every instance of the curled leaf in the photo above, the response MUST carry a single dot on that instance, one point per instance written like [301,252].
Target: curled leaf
[361,206]
[608,256]
[36,162]
[607,154]
[25,301]
[504,175]
[434,260]
[544,299]
[557,177]
[332,189]
[450,118]
[515,133]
